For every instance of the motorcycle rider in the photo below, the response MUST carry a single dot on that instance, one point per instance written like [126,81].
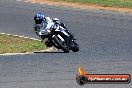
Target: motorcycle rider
[42,23]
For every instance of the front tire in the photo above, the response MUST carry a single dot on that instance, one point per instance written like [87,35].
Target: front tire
[60,44]
[75,47]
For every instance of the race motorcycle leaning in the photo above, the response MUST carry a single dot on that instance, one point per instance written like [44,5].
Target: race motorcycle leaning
[59,38]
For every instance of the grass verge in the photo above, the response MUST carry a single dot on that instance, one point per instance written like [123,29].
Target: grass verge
[104,3]
[12,44]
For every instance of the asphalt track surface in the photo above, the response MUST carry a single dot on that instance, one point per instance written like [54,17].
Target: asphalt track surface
[105,40]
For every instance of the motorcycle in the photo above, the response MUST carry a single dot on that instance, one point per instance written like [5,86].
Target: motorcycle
[60,38]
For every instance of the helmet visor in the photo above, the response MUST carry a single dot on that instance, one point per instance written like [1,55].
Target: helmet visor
[38,21]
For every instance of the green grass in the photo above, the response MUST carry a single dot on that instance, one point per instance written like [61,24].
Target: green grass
[11,44]
[105,3]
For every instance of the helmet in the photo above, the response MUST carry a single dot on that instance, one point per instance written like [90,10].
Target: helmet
[39,18]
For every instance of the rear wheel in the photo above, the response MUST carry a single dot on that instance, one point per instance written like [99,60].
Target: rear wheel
[48,43]
[61,44]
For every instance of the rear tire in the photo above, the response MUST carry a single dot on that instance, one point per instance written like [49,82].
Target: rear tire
[59,43]
[48,44]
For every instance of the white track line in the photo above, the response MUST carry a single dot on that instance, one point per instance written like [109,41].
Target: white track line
[41,51]
[20,36]
[7,54]
[26,1]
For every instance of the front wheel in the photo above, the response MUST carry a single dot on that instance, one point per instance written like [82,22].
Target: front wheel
[75,47]
[62,45]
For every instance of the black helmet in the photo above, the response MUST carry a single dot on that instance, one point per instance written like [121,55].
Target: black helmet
[39,18]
